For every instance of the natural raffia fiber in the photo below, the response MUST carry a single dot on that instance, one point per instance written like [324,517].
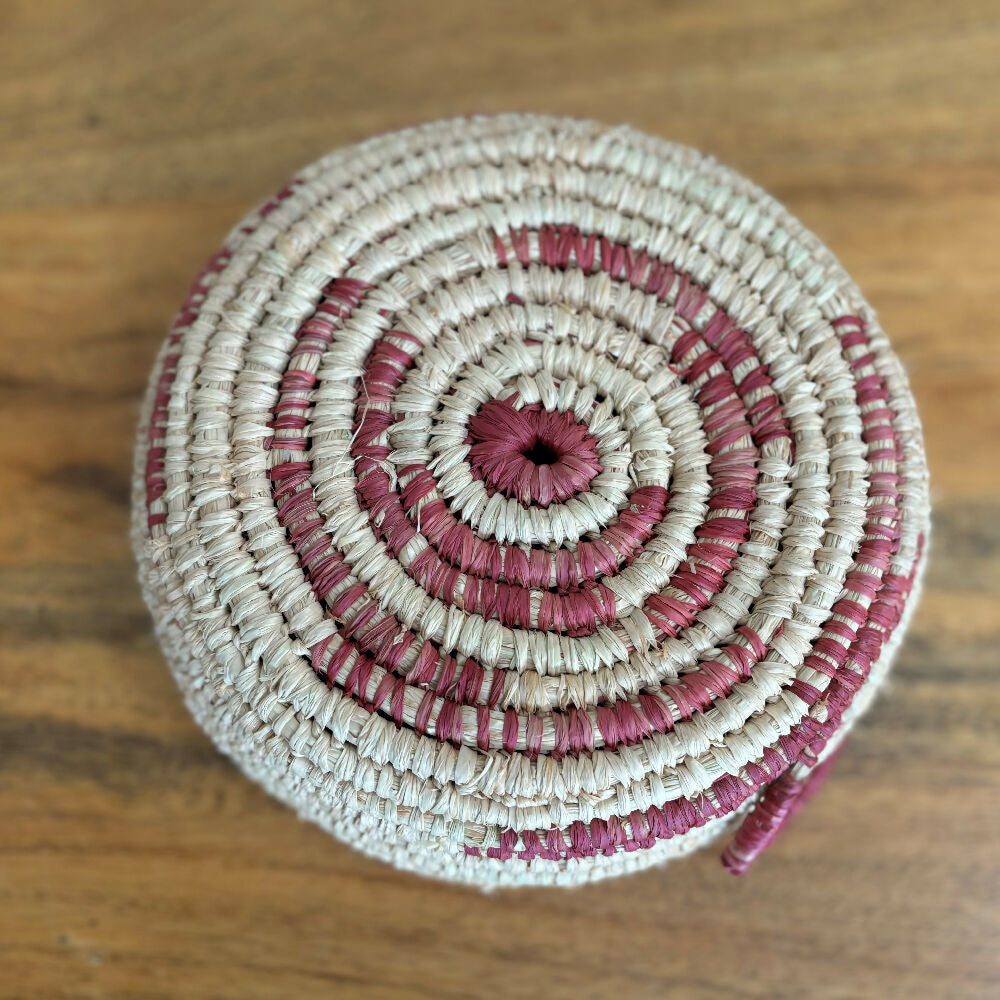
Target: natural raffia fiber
[529,501]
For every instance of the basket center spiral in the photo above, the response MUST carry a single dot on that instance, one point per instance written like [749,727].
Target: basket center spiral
[533,455]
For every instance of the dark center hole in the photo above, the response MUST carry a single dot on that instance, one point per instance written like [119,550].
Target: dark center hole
[541,454]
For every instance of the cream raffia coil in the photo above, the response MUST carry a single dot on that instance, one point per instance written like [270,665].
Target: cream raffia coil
[526,501]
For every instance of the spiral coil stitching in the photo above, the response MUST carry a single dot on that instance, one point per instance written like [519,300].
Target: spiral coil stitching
[528,501]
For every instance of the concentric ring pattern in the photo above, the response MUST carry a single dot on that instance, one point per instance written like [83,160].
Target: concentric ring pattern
[528,501]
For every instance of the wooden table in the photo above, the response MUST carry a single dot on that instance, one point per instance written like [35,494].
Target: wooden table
[136,862]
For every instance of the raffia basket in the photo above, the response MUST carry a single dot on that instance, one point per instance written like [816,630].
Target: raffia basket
[528,501]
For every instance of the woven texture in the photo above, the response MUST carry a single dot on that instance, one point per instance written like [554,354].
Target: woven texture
[528,501]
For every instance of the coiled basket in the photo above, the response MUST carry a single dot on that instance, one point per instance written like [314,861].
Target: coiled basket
[525,500]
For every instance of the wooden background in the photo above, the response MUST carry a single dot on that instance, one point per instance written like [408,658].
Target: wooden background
[134,861]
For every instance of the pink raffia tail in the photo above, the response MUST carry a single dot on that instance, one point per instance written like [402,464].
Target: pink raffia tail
[782,800]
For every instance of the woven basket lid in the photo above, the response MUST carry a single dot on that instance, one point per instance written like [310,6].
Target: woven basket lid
[525,500]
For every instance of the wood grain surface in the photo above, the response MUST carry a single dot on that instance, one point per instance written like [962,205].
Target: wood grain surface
[136,862]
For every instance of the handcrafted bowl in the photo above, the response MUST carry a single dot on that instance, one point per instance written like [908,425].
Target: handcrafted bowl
[528,501]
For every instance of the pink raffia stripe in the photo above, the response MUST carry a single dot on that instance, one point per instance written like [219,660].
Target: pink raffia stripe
[156,453]
[782,800]
[785,796]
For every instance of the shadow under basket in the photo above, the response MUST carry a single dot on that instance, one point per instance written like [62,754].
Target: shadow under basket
[529,501]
